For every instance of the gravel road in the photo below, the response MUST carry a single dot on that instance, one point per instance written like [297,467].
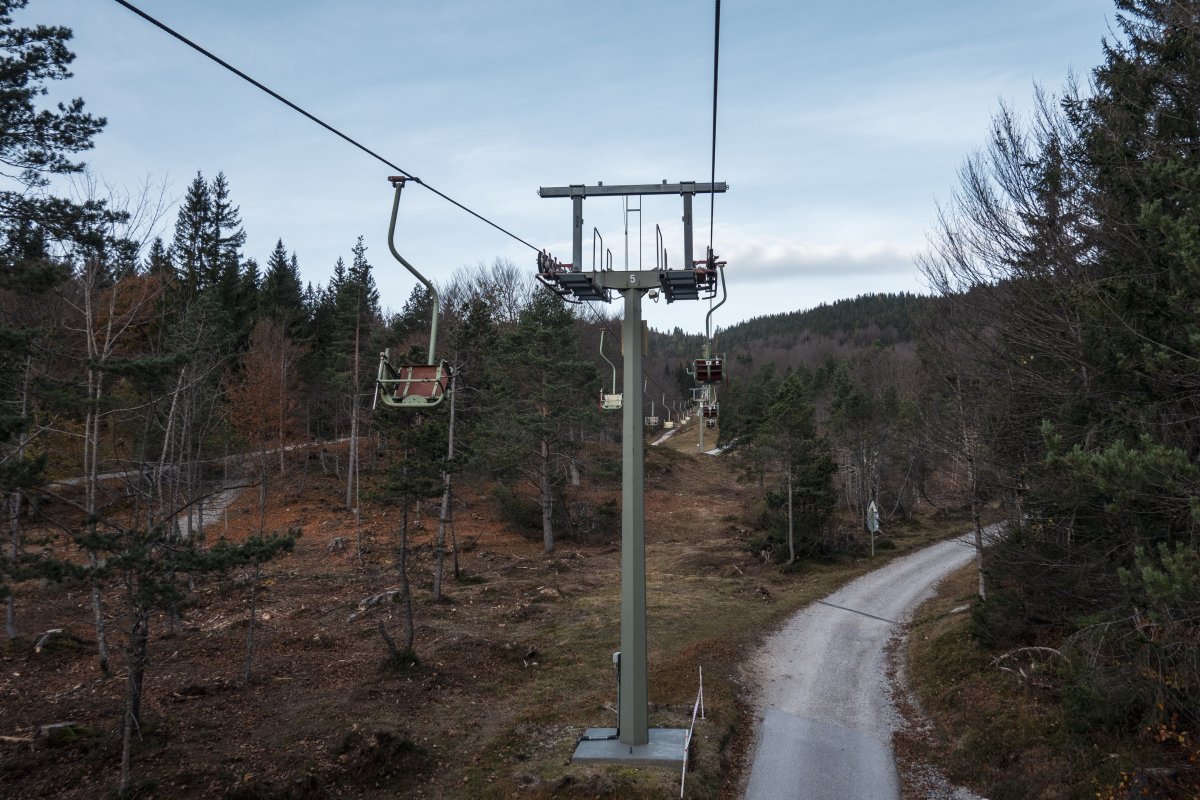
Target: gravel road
[826,715]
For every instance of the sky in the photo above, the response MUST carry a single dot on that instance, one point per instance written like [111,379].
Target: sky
[840,125]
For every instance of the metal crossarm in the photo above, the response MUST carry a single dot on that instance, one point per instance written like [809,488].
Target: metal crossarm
[628,190]
[569,284]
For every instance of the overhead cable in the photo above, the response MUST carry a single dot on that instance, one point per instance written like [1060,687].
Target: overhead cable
[314,118]
[712,198]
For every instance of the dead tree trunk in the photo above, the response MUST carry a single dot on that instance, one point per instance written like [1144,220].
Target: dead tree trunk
[246,670]
[352,467]
[14,506]
[138,637]
[446,497]
[547,501]
[968,444]
[791,528]
[91,467]
[262,487]
[409,634]
[10,605]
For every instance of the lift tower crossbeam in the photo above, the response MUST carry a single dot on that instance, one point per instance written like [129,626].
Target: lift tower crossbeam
[637,742]
[697,280]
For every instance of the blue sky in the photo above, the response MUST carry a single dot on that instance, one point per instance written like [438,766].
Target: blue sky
[840,124]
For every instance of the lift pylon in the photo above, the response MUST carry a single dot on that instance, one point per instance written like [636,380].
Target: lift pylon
[632,741]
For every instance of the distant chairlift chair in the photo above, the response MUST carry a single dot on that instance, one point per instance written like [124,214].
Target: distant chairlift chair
[609,402]
[652,421]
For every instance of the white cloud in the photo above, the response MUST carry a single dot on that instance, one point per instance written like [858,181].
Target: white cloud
[759,260]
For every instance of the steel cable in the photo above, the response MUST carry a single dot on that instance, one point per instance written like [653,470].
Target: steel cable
[217,59]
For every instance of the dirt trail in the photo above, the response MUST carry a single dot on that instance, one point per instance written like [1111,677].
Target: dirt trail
[825,709]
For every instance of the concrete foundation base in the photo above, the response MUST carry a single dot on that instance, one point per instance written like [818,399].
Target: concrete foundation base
[665,748]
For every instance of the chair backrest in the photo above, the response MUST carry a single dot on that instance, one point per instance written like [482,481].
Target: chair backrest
[709,370]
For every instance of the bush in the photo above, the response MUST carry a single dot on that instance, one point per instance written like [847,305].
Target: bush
[519,512]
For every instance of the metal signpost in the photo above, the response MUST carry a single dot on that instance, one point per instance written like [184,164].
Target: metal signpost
[632,741]
[873,523]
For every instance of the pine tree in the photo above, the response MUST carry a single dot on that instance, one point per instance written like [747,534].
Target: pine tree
[37,229]
[541,401]
[281,298]
[189,251]
[223,240]
[1076,245]
[804,462]
[158,260]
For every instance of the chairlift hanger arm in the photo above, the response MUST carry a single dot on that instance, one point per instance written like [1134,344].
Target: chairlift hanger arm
[720,265]
[398,182]
[610,363]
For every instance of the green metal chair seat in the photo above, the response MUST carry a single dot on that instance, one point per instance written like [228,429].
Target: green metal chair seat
[412,385]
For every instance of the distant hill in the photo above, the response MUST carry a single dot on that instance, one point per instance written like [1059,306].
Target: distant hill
[801,337]
[888,318]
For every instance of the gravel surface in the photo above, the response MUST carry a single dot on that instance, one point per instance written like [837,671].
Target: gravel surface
[826,715]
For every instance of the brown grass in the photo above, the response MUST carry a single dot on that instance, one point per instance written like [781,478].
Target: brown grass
[511,667]
[1002,734]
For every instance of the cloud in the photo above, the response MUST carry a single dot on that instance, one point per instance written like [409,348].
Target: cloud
[765,260]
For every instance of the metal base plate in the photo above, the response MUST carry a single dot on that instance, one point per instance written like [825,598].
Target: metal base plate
[665,748]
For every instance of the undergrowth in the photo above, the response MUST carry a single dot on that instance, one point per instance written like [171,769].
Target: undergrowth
[1009,723]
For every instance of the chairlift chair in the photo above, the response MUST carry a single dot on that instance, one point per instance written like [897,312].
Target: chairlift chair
[652,420]
[709,371]
[412,386]
[609,402]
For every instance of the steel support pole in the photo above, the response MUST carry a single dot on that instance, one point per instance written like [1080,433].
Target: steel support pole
[688,254]
[577,229]
[634,662]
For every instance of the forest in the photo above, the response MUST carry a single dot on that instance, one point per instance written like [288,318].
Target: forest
[1045,398]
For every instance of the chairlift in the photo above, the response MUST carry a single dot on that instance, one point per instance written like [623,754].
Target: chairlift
[609,402]
[668,423]
[652,421]
[710,369]
[413,386]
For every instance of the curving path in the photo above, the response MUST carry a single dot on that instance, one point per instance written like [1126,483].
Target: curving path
[826,715]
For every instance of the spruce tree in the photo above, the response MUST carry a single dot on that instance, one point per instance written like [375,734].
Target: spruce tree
[37,230]
[189,253]
[804,464]
[540,403]
[281,298]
